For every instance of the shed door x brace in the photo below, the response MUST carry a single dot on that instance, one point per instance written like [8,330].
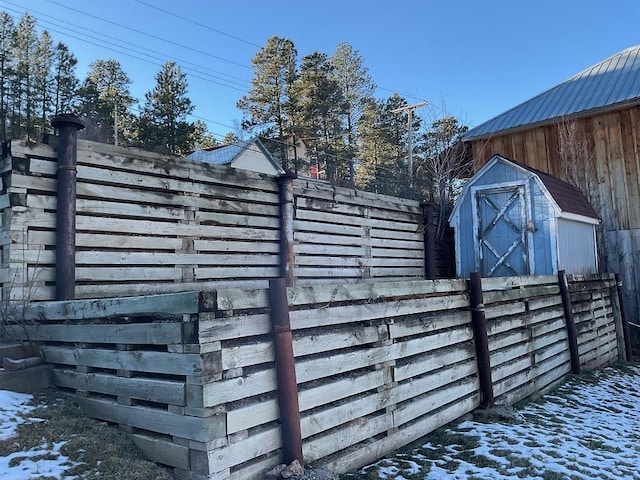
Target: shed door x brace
[501,244]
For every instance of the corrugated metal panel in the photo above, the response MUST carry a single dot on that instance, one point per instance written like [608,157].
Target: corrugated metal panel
[576,247]
[610,82]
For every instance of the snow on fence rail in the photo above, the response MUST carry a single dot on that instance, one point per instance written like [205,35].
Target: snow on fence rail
[148,223]
[193,377]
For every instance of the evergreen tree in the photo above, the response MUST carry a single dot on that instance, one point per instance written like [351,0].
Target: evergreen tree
[105,100]
[383,148]
[320,106]
[64,80]
[42,79]
[162,125]
[22,85]
[270,103]
[7,32]
[357,88]
[201,136]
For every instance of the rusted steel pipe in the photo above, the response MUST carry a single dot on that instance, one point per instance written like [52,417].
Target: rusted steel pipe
[429,241]
[286,372]
[572,334]
[481,339]
[68,126]
[623,319]
[287,207]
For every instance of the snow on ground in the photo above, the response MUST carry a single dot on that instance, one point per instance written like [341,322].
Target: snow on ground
[589,428]
[35,463]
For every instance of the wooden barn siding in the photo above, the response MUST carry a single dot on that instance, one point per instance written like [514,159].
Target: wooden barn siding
[192,375]
[614,146]
[150,224]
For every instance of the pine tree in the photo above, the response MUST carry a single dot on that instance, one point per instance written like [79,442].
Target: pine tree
[42,79]
[201,136]
[7,32]
[383,148]
[357,88]
[162,125]
[22,86]
[269,106]
[105,100]
[320,106]
[64,79]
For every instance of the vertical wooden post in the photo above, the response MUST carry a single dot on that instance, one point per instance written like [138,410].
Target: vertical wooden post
[68,126]
[624,321]
[287,207]
[572,334]
[481,339]
[429,241]
[285,372]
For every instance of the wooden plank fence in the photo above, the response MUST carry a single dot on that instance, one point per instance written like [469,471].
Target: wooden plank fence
[149,224]
[378,365]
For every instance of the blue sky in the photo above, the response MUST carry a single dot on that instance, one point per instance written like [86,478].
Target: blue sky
[470,59]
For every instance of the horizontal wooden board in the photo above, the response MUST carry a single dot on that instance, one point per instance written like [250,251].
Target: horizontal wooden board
[164,333]
[155,420]
[138,361]
[149,389]
[172,303]
[163,451]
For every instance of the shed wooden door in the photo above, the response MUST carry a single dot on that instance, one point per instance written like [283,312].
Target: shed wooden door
[501,231]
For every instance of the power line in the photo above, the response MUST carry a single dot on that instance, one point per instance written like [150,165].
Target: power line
[156,60]
[155,37]
[207,27]
[132,52]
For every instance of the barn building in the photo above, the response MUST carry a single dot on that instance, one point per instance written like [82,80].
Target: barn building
[586,131]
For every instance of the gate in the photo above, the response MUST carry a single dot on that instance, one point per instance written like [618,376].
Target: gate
[501,219]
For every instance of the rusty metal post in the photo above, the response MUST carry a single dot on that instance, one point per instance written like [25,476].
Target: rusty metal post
[623,319]
[68,126]
[481,339]
[287,207]
[285,372]
[429,241]
[572,334]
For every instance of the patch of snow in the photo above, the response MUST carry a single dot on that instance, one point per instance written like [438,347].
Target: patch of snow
[586,429]
[46,461]
[11,405]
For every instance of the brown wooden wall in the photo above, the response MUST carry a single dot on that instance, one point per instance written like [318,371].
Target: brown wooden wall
[608,172]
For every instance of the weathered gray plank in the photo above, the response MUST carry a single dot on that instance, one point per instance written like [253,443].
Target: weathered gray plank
[139,361]
[172,303]
[150,389]
[155,420]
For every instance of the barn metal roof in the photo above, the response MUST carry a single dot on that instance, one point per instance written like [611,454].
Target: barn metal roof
[611,83]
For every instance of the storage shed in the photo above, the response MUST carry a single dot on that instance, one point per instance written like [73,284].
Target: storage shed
[511,219]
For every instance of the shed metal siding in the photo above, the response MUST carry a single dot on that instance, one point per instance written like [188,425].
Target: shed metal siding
[576,247]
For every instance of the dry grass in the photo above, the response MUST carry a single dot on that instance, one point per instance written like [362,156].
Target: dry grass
[96,449]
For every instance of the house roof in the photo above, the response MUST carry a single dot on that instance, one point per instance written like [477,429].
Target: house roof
[612,83]
[226,154]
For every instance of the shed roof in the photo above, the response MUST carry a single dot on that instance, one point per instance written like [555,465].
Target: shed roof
[568,198]
[612,83]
